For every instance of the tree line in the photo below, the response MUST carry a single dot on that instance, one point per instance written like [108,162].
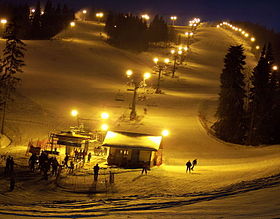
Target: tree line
[132,32]
[37,24]
[263,35]
[249,102]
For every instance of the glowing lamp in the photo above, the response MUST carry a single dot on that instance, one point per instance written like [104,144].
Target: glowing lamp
[74,113]
[166,60]
[147,75]
[165,132]
[104,115]
[129,72]
[3,21]
[104,127]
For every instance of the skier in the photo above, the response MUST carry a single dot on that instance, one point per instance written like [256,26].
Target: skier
[145,167]
[188,164]
[194,163]
[95,172]
[89,157]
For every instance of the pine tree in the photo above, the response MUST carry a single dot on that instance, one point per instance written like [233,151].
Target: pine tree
[262,94]
[11,65]
[275,109]
[12,62]
[231,124]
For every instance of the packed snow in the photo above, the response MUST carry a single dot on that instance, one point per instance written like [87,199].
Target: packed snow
[78,69]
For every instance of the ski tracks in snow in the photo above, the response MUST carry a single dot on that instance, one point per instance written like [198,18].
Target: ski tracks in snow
[103,206]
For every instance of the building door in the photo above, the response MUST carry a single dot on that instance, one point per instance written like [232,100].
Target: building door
[135,157]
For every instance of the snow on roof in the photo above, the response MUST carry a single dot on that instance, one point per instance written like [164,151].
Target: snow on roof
[132,140]
[72,135]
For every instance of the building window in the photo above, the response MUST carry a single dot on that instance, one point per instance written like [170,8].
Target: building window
[124,152]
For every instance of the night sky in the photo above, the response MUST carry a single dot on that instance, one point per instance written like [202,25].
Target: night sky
[258,11]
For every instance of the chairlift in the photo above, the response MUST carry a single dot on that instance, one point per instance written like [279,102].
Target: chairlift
[119,96]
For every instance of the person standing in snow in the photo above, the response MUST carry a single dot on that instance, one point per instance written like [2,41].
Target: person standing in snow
[145,167]
[89,157]
[7,167]
[188,164]
[11,168]
[32,161]
[12,182]
[194,163]
[54,164]
[95,172]
[66,160]
[72,166]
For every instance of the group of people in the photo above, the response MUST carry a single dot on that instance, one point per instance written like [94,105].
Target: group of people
[80,155]
[190,165]
[45,164]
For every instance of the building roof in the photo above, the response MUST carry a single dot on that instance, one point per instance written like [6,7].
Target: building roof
[132,140]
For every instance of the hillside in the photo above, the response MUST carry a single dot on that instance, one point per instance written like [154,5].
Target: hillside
[79,70]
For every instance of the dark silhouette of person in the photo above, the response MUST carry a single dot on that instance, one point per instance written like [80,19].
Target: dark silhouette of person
[12,182]
[145,167]
[89,157]
[71,170]
[95,172]
[32,161]
[66,160]
[7,167]
[45,168]
[11,168]
[188,164]
[194,163]
[55,165]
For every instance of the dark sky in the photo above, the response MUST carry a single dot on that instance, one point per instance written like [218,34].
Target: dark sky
[265,12]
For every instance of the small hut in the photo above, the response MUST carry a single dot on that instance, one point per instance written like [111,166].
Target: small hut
[132,150]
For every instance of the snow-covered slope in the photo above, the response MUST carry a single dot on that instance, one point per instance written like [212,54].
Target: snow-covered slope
[79,70]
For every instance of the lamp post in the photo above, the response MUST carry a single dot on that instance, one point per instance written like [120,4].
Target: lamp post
[3,22]
[75,113]
[189,35]
[84,13]
[173,19]
[175,56]
[137,80]
[145,16]
[165,132]
[99,16]
[161,66]
[72,24]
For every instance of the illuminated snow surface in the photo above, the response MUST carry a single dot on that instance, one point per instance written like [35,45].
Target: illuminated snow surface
[79,70]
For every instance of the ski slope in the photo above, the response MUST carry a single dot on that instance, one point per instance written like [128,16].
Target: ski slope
[77,69]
